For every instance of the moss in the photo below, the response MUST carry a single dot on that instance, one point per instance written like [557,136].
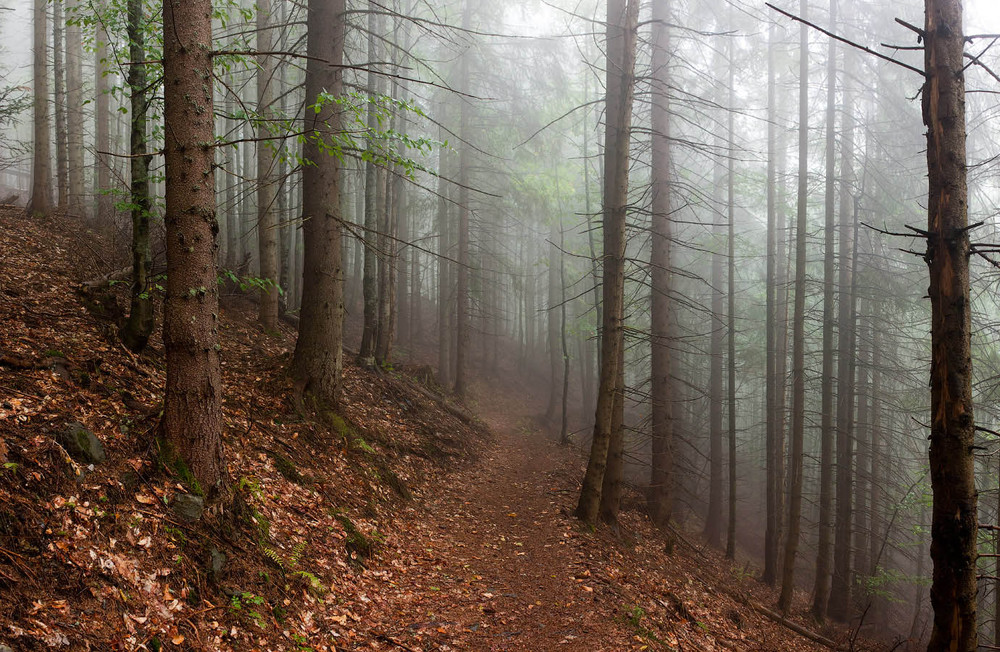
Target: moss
[287,468]
[172,461]
[54,353]
[358,545]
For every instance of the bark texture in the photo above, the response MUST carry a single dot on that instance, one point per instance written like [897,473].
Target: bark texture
[192,417]
[318,357]
[41,167]
[954,519]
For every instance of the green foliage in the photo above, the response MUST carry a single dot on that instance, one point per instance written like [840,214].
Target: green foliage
[248,602]
[245,283]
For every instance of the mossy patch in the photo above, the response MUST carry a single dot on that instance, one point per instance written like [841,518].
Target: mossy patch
[358,545]
[287,468]
[171,460]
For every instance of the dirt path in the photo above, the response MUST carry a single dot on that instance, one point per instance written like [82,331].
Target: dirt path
[495,563]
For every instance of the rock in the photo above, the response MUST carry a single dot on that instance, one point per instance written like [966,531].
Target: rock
[217,563]
[6,648]
[189,507]
[81,444]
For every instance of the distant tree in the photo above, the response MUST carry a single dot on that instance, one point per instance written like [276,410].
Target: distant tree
[798,331]
[41,169]
[192,417]
[74,108]
[267,187]
[661,381]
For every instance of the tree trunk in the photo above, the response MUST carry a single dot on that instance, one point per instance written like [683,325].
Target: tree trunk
[798,332]
[192,415]
[622,19]
[821,585]
[555,362]
[731,308]
[773,516]
[59,71]
[74,122]
[267,186]
[139,326]
[104,205]
[954,517]
[840,590]
[661,483]
[369,333]
[41,167]
[318,357]
[462,299]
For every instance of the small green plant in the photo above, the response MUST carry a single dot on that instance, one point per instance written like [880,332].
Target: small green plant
[10,466]
[300,643]
[248,602]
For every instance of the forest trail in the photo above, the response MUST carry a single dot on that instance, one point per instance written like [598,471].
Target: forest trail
[495,561]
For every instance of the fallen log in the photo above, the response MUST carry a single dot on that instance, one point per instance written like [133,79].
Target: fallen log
[795,627]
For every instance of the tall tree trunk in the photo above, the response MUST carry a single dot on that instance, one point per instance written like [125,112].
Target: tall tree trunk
[59,72]
[267,186]
[104,203]
[192,415]
[840,590]
[554,303]
[318,357]
[731,308]
[717,338]
[798,332]
[773,516]
[462,299]
[74,99]
[369,333]
[139,326]
[622,19]
[444,278]
[821,586]
[41,166]
[661,483]
[954,518]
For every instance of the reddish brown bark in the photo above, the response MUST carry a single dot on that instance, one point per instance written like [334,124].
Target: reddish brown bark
[192,417]
[954,521]
[318,357]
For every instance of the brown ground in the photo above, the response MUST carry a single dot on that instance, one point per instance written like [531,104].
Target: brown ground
[484,557]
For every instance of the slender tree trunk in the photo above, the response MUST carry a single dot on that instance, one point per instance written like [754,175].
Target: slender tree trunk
[564,421]
[74,98]
[41,167]
[622,19]
[267,186]
[139,326]
[369,334]
[773,517]
[104,203]
[661,482]
[462,286]
[840,596]
[798,332]
[192,415]
[555,363]
[731,308]
[318,357]
[59,72]
[954,517]
[717,338]
[444,250]
[821,587]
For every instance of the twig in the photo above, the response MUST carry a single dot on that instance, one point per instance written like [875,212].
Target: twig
[835,37]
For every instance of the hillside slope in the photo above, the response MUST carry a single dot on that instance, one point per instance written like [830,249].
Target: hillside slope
[404,525]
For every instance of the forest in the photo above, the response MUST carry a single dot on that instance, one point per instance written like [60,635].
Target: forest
[464,324]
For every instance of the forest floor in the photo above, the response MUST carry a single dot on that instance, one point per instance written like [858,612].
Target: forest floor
[406,525]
